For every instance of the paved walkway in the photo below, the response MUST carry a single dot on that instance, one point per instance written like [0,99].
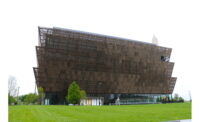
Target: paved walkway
[185,120]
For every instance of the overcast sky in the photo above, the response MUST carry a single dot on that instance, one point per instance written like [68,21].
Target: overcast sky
[174,23]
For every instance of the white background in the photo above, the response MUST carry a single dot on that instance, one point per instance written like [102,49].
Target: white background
[175,23]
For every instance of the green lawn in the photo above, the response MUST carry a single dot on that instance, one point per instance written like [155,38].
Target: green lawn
[122,113]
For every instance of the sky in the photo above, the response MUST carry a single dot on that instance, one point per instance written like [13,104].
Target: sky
[174,23]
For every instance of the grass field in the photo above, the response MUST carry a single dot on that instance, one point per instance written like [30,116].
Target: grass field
[122,113]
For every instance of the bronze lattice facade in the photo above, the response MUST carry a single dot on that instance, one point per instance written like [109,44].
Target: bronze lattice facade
[102,65]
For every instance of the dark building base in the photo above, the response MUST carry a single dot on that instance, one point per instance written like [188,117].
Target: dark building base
[57,98]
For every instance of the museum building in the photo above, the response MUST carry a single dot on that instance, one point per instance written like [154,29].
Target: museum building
[104,66]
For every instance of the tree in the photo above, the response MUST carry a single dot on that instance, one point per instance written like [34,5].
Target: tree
[176,97]
[181,99]
[190,96]
[73,95]
[40,95]
[12,90]
[12,86]
[11,100]
[31,98]
[83,94]
[22,99]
